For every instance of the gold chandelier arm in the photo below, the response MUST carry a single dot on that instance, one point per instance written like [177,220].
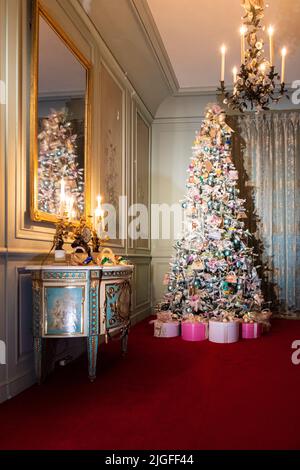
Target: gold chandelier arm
[250,4]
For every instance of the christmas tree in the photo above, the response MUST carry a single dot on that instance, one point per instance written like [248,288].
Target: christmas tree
[58,165]
[213,272]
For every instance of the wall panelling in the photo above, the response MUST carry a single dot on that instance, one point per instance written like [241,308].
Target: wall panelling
[24,242]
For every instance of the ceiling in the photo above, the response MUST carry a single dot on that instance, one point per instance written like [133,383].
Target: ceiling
[172,47]
[192,32]
[120,26]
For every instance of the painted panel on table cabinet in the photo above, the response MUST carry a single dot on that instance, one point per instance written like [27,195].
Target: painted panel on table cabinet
[64,310]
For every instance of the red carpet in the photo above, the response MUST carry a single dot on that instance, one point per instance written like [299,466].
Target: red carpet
[166,394]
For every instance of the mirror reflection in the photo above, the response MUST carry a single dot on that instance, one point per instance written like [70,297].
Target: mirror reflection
[61,114]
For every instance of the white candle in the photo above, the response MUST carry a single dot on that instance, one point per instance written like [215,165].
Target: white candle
[223,52]
[71,210]
[99,202]
[99,216]
[262,68]
[243,31]
[234,73]
[271,45]
[283,55]
[62,202]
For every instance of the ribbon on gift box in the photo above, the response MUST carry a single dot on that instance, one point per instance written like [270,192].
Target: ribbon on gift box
[251,330]
[158,325]
[162,319]
[197,321]
[225,316]
[191,318]
[250,317]
[225,329]
[165,317]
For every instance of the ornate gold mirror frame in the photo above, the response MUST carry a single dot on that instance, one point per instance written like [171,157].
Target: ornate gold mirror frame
[35,211]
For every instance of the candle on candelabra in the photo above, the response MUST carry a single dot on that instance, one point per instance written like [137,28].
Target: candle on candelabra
[71,209]
[243,31]
[223,52]
[62,202]
[99,222]
[283,56]
[271,44]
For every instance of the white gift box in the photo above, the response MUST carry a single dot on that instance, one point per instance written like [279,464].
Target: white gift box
[223,332]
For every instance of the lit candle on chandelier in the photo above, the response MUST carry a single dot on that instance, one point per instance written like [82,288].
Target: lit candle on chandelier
[234,73]
[271,44]
[283,56]
[223,52]
[243,31]
[263,68]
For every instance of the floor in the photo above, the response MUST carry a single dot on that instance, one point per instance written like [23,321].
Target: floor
[166,394]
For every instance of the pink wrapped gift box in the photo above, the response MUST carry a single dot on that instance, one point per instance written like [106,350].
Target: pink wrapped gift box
[168,329]
[223,332]
[194,331]
[251,330]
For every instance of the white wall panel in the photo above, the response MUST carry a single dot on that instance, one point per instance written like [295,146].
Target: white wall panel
[171,150]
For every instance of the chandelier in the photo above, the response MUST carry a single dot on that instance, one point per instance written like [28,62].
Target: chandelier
[256,83]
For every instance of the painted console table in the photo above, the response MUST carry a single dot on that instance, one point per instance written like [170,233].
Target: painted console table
[80,301]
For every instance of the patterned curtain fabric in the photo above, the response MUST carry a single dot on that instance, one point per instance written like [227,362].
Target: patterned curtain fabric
[271,160]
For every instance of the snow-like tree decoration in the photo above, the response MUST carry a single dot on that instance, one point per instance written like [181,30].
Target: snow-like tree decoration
[213,272]
[57,162]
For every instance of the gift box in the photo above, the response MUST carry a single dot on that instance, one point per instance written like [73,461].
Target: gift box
[194,331]
[167,329]
[223,332]
[251,330]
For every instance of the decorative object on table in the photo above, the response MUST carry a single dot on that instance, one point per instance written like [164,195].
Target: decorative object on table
[61,232]
[106,257]
[122,261]
[58,167]
[256,83]
[166,325]
[194,328]
[82,235]
[213,271]
[223,331]
[86,301]
[60,255]
[80,259]
[84,238]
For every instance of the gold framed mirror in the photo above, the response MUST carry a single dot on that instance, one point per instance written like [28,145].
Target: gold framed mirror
[59,123]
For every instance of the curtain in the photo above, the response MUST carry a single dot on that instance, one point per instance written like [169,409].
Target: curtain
[269,145]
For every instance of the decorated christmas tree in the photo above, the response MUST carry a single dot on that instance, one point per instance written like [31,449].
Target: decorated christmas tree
[58,164]
[213,271]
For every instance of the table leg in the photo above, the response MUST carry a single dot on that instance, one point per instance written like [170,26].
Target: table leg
[124,342]
[38,356]
[92,356]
